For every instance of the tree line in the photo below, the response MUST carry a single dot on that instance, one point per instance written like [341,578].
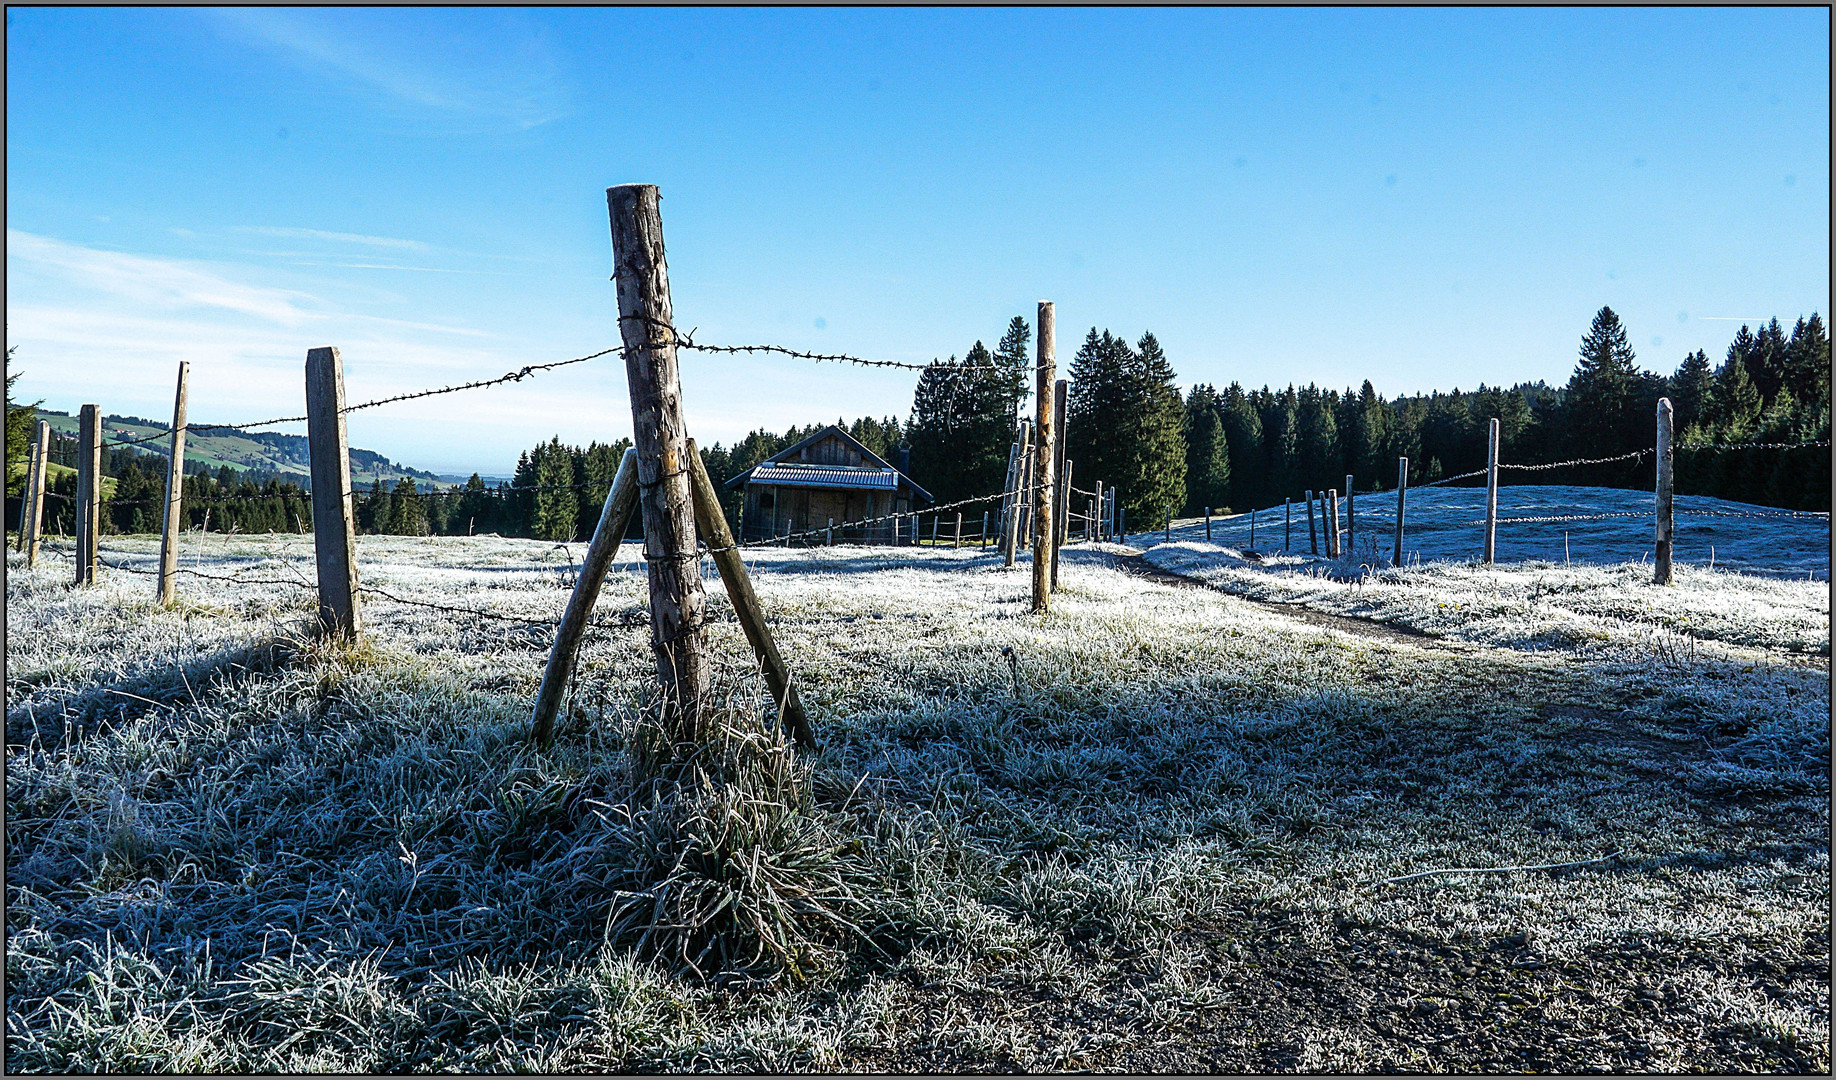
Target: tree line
[1130,426]
[1167,452]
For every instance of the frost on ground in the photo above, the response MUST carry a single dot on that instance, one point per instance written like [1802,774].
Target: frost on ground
[1535,602]
[1157,839]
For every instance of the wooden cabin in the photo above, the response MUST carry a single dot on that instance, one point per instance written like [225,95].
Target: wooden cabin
[827,477]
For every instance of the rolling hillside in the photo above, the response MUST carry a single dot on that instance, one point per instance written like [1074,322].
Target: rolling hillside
[241,450]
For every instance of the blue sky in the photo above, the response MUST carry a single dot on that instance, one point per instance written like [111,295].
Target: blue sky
[1426,198]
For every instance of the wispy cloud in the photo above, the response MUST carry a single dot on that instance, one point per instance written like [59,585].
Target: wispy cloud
[360,239]
[148,280]
[505,77]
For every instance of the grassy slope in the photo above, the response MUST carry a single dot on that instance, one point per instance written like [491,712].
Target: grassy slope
[217,449]
[1154,843]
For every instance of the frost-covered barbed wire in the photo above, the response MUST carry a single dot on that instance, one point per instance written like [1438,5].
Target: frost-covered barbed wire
[782,537]
[508,377]
[1576,461]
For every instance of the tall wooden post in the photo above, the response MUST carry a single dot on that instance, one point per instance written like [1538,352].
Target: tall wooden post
[1351,519]
[1252,542]
[334,532]
[25,493]
[1100,518]
[614,519]
[1063,532]
[1042,459]
[956,541]
[1402,491]
[175,489]
[1332,523]
[1061,477]
[982,542]
[89,492]
[1666,488]
[1208,524]
[645,320]
[1491,492]
[1287,524]
[746,606]
[1313,536]
[1016,486]
[32,527]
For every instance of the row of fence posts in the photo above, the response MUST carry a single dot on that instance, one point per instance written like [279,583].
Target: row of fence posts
[1328,505]
[677,500]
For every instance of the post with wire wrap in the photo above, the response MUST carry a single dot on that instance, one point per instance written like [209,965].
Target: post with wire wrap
[1042,460]
[1402,493]
[334,533]
[89,492]
[174,519]
[1491,492]
[1666,487]
[677,603]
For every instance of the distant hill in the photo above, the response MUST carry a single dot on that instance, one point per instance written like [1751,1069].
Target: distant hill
[268,451]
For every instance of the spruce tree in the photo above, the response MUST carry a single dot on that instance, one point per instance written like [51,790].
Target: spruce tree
[1158,451]
[1098,409]
[1207,451]
[1808,364]
[1601,390]
[557,504]
[1243,435]
[1689,390]
[409,517]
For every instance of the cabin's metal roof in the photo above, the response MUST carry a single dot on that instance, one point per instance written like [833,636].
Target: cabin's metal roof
[792,474]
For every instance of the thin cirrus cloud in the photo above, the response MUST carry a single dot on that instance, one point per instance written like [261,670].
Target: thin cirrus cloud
[511,79]
[162,283]
[359,239]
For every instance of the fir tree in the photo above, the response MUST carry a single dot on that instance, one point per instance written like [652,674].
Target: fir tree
[1243,435]
[1600,392]
[1207,451]
[408,517]
[1157,456]
[1689,389]
[1808,363]
[557,506]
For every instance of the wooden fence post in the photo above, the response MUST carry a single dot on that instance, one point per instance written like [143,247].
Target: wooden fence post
[25,493]
[982,543]
[334,534]
[1287,526]
[89,493]
[1666,489]
[1207,524]
[1491,492]
[1018,460]
[957,540]
[1042,459]
[1168,525]
[614,519]
[828,534]
[1061,476]
[32,528]
[1099,517]
[1313,536]
[1332,535]
[1351,520]
[1252,542]
[645,317]
[175,490]
[1121,517]
[746,605]
[1402,491]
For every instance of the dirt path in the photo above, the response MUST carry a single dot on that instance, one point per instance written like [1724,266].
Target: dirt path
[1349,624]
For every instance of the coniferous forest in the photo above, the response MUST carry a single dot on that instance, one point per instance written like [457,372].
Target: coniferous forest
[1132,428]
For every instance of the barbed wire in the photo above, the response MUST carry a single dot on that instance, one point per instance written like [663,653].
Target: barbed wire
[1751,446]
[1449,479]
[626,622]
[508,377]
[1577,461]
[784,537]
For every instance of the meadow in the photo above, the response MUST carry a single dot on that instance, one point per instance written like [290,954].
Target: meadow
[1207,814]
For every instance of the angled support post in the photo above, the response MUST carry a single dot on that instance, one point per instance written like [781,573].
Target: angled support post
[713,525]
[614,519]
